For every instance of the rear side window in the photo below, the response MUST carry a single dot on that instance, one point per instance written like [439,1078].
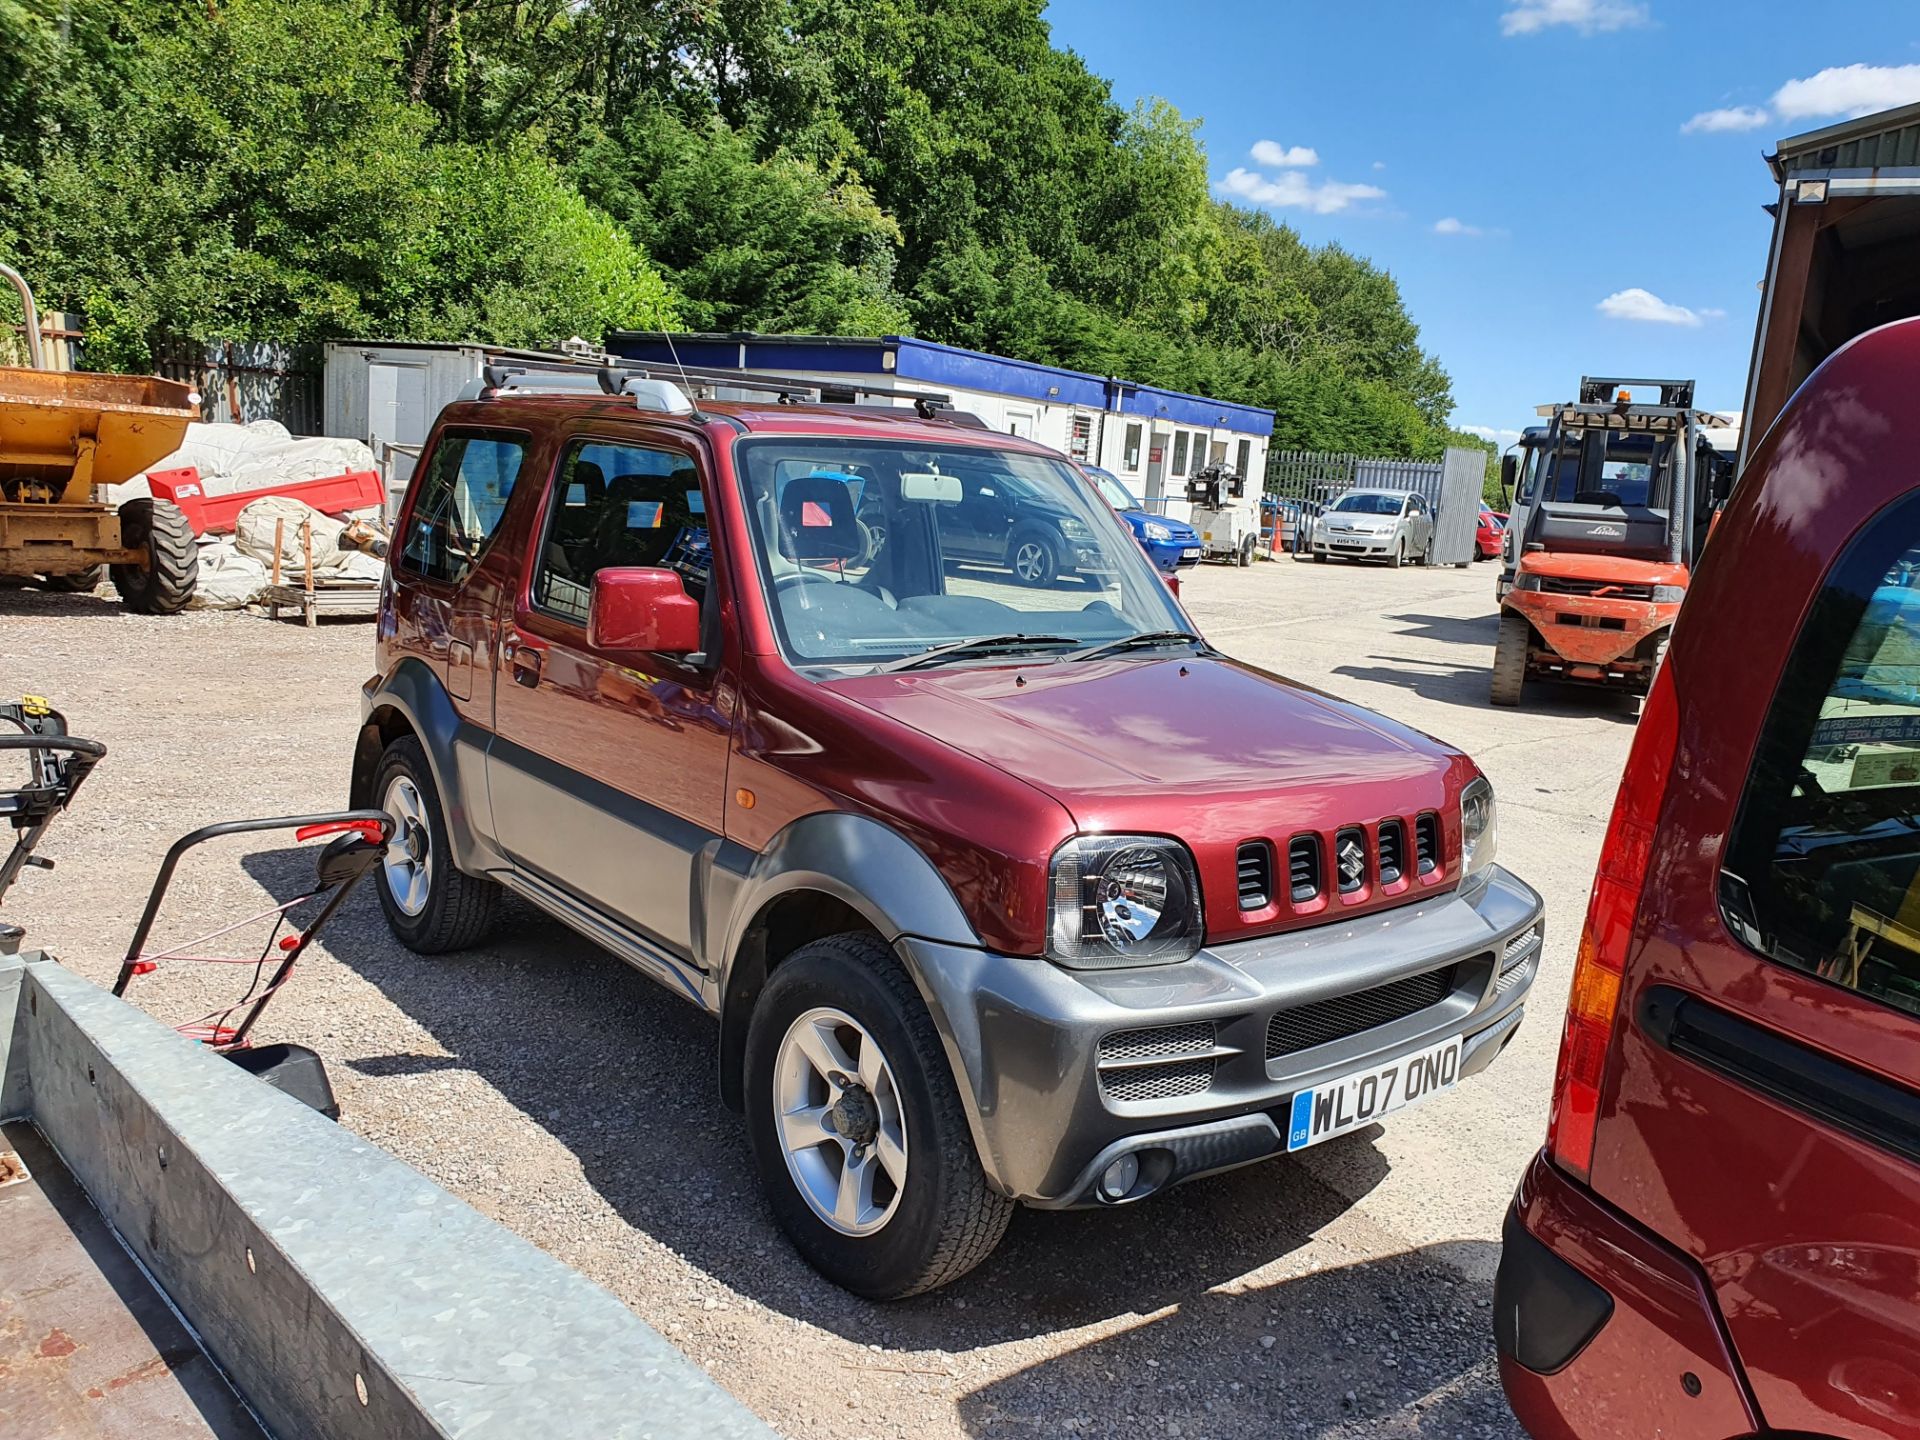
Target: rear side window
[458,503]
[621,505]
[1823,866]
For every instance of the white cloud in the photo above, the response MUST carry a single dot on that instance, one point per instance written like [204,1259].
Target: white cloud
[1453,226]
[1734,117]
[1290,190]
[1284,157]
[1589,17]
[1498,436]
[1648,308]
[1848,90]
[1379,164]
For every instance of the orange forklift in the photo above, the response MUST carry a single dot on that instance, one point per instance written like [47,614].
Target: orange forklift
[1613,509]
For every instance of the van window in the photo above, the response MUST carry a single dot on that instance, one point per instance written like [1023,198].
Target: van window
[1242,457]
[1130,456]
[458,503]
[1823,866]
[624,505]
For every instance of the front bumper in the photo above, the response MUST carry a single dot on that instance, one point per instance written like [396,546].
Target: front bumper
[1047,1102]
[1604,1329]
[1359,547]
[1589,631]
[1171,556]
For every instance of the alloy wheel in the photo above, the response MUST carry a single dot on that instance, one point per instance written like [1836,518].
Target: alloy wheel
[1030,561]
[840,1122]
[408,861]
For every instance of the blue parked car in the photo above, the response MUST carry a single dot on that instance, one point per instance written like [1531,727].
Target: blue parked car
[1172,545]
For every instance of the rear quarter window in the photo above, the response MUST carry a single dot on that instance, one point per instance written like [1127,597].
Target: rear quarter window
[1822,871]
[459,499]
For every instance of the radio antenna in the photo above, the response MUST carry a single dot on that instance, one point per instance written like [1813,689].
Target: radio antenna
[686,380]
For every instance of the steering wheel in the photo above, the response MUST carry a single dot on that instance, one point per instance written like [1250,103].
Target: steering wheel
[801,577]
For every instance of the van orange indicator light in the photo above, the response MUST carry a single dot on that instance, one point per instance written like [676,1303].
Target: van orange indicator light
[744,798]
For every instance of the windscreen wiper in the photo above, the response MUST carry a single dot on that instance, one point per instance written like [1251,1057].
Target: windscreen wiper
[980,645]
[1145,640]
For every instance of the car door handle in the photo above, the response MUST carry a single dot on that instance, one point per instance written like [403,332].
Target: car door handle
[526,661]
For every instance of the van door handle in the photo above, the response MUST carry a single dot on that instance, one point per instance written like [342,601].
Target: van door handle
[526,665]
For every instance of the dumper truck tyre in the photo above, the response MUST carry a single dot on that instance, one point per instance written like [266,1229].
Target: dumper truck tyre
[431,907]
[857,1127]
[1510,658]
[83,582]
[164,584]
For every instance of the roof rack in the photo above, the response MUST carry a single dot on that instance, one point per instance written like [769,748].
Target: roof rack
[611,376]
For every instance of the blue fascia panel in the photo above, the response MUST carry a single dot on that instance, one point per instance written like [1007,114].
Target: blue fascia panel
[1181,409]
[948,365]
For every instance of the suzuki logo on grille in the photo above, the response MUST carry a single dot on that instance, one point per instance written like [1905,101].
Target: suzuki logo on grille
[1353,861]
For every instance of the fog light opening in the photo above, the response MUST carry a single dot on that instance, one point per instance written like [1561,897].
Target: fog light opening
[1119,1178]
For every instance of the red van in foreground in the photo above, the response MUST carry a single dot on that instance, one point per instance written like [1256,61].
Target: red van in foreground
[1722,1236]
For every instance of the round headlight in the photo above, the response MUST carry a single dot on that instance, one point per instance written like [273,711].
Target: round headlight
[1479,826]
[1123,900]
[1133,897]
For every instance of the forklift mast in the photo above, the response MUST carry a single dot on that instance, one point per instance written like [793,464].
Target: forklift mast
[1623,475]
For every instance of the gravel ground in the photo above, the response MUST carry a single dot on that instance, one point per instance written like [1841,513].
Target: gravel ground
[1342,1294]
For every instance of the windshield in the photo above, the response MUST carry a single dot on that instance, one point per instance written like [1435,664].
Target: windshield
[1369,503]
[873,551]
[1112,491]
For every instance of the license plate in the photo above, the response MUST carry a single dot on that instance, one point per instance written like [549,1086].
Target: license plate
[1362,1098]
[1192,552]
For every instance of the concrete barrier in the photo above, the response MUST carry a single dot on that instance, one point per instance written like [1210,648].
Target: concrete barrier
[345,1295]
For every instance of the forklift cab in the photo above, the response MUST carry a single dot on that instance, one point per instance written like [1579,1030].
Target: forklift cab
[1620,494]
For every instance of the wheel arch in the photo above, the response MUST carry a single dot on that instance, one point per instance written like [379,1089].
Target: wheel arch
[822,875]
[411,700]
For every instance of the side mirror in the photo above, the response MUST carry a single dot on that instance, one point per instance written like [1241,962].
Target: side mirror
[1509,472]
[649,610]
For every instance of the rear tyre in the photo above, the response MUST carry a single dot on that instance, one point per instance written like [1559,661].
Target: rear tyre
[857,1128]
[1034,559]
[1510,658]
[164,584]
[84,582]
[430,906]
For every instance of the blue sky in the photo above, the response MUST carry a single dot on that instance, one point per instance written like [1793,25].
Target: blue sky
[1561,187]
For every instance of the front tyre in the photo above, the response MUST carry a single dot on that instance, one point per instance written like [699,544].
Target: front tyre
[430,906]
[163,583]
[1034,559]
[857,1128]
[1510,659]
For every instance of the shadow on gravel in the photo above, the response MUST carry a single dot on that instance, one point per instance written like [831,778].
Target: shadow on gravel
[622,1074]
[1468,686]
[1400,1346]
[57,606]
[1452,629]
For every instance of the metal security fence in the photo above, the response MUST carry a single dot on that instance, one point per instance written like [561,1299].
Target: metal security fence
[1302,482]
[1314,477]
[244,380]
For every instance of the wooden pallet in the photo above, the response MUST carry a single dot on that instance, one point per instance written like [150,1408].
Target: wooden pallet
[319,595]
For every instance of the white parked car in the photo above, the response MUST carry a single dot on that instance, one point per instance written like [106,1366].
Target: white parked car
[1391,525]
